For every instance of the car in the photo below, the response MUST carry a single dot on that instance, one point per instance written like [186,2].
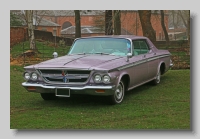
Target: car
[107,66]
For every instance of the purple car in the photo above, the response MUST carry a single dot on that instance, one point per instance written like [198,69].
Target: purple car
[101,65]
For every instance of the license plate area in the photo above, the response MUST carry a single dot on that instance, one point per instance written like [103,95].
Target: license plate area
[62,92]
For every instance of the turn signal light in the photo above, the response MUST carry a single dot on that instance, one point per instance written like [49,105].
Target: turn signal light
[31,88]
[100,91]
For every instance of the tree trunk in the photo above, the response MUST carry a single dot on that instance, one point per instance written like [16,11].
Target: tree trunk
[186,24]
[108,22]
[188,29]
[173,23]
[29,19]
[117,22]
[163,27]
[78,24]
[147,29]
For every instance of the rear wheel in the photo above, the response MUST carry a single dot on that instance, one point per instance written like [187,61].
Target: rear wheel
[48,96]
[118,95]
[157,79]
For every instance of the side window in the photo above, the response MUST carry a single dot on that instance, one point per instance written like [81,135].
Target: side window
[140,47]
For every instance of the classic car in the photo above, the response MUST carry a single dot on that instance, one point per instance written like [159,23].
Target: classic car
[100,65]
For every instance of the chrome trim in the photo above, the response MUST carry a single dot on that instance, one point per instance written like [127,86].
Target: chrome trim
[62,69]
[130,88]
[133,64]
[141,62]
[25,84]
[61,95]
[171,63]
[54,82]
[69,76]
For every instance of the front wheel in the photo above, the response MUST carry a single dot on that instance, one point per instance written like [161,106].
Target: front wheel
[48,96]
[118,95]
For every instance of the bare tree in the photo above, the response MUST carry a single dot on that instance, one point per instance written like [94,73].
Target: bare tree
[188,29]
[117,22]
[78,23]
[163,26]
[185,16]
[39,15]
[108,22]
[145,19]
[29,19]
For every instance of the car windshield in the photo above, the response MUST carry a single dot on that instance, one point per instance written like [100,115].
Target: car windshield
[110,46]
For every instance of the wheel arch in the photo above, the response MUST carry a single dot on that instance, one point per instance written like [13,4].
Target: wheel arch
[126,80]
[162,67]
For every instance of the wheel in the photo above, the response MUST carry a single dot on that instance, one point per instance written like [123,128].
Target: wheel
[157,79]
[48,96]
[118,95]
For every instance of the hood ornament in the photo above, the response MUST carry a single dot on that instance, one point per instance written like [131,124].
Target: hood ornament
[64,74]
[55,54]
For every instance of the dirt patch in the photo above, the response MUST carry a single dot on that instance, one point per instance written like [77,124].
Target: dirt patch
[29,55]
[16,61]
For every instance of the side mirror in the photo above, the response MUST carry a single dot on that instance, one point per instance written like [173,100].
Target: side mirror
[150,51]
[129,55]
[55,54]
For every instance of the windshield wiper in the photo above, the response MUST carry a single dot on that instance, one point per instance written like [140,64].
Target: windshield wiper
[78,54]
[91,53]
[102,53]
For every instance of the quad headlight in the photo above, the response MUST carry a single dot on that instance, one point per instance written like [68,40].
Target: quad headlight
[106,79]
[101,78]
[97,78]
[27,76]
[34,76]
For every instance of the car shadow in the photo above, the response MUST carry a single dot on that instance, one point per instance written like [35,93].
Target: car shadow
[77,100]
[90,100]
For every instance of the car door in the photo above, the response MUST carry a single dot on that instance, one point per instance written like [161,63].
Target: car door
[139,70]
[144,51]
[152,61]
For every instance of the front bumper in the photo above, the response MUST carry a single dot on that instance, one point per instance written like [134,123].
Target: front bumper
[91,90]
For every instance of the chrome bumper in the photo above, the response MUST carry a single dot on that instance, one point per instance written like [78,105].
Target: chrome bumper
[40,88]
[171,64]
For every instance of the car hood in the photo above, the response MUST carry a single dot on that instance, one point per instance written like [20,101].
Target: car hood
[80,62]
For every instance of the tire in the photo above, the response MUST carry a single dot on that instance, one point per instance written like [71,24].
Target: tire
[118,95]
[157,79]
[48,96]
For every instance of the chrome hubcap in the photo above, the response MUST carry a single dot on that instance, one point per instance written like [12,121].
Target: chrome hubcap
[158,77]
[119,92]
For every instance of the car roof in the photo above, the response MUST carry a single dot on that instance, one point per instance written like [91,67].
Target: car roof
[132,37]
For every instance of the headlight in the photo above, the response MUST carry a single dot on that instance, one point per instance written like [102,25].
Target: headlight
[34,76]
[97,78]
[27,76]
[106,79]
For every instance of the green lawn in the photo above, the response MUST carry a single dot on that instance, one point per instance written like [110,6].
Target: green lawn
[45,48]
[165,106]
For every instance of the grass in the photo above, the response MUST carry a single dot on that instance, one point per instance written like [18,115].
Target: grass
[165,106]
[45,48]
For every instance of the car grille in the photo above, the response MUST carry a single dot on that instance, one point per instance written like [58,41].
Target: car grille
[64,76]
